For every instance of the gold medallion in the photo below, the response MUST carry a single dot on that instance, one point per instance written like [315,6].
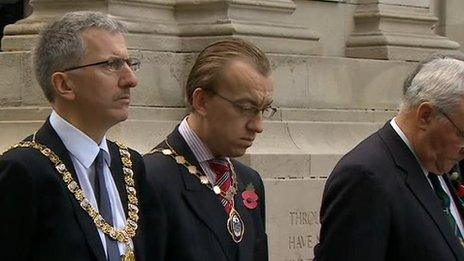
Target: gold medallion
[204,180]
[217,190]
[167,152]
[235,226]
[180,159]
[192,169]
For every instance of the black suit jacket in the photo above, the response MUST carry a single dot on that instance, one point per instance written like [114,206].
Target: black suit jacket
[378,205]
[196,218]
[41,220]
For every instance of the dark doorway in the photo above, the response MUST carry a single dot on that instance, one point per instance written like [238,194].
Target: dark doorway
[10,12]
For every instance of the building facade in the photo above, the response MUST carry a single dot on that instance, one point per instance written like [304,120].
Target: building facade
[338,67]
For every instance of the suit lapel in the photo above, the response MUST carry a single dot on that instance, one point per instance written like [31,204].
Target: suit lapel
[246,245]
[417,182]
[48,137]
[117,173]
[204,203]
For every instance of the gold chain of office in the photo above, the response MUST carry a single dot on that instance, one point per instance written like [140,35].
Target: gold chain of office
[123,235]
[192,169]
[235,225]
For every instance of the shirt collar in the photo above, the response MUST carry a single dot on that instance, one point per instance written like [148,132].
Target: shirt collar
[408,143]
[200,150]
[81,146]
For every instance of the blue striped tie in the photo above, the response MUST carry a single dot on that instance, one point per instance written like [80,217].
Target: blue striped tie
[104,205]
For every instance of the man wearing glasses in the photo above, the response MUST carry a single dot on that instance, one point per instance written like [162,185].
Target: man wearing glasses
[391,198]
[215,205]
[67,193]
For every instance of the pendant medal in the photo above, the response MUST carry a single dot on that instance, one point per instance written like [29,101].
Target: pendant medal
[235,226]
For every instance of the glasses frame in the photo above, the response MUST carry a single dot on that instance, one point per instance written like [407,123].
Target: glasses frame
[461,133]
[251,109]
[133,63]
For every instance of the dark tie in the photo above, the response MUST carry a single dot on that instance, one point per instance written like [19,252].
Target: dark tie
[104,206]
[445,204]
[223,179]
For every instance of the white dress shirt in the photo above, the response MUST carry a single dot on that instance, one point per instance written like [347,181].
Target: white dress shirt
[453,208]
[200,150]
[83,151]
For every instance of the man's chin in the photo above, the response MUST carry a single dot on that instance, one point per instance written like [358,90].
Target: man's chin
[238,153]
[119,118]
[440,170]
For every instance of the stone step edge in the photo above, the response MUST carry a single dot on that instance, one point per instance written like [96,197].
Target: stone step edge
[142,113]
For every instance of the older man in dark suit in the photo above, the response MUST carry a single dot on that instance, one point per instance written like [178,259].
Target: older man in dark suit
[215,204]
[390,198]
[67,193]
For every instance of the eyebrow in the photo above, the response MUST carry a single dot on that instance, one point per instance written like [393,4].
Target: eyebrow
[246,100]
[252,102]
[269,103]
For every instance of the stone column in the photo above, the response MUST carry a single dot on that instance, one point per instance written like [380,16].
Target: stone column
[145,20]
[395,30]
[451,19]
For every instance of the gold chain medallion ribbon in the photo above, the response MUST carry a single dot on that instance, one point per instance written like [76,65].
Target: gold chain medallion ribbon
[235,225]
[123,235]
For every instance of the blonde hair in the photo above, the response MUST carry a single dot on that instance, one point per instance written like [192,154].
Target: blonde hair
[211,62]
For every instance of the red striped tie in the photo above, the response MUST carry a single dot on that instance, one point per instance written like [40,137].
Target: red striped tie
[223,179]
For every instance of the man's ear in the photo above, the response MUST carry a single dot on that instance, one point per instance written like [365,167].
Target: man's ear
[63,85]
[199,101]
[425,113]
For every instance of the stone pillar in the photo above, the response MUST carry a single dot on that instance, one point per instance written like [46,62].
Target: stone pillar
[181,26]
[145,20]
[266,23]
[451,19]
[395,30]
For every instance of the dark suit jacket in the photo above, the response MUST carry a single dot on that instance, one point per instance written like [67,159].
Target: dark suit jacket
[378,205]
[41,220]
[196,218]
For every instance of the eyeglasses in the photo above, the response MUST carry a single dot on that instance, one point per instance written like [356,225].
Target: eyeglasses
[249,110]
[461,133]
[113,65]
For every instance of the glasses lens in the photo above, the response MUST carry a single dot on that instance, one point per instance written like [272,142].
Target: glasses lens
[115,64]
[268,112]
[134,64]
[118,64]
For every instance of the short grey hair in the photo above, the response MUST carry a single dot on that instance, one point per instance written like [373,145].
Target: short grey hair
[60,45]
[438,79]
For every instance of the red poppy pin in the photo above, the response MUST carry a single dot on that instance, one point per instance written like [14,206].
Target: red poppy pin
[250,198]
[456,180]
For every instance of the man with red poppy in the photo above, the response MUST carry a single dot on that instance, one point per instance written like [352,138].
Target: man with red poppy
[215,204]
[390,198]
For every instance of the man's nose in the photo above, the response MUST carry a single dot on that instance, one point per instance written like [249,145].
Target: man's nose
[128,78]
[256,124]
